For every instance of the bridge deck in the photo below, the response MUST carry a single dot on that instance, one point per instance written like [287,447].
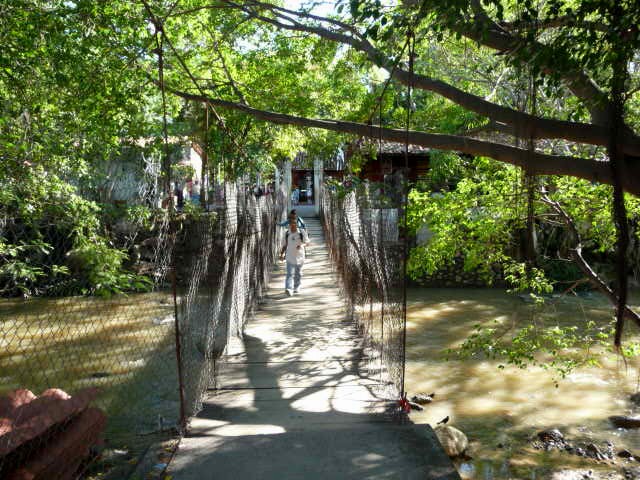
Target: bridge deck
[294,400]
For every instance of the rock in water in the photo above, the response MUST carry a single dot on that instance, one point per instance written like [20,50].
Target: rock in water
[551,436]
[631,473]
[625,454]
[623,421]
[452,440]
[422,398]
[593,451]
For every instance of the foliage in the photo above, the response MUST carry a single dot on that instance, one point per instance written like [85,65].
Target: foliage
[525,278]
[192,210]
[482,216]
[480,219]
[361,155]
[50,242]
[181,173]
[18,271]
[99,270]
[594,33]
[140,216]
[557,348]
[590,206]
[446,169]
[475,220]
[344,187]
[253,63]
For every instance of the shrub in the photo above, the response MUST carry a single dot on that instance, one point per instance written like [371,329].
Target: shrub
[51,242]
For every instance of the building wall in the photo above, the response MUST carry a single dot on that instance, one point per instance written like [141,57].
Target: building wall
[384,164]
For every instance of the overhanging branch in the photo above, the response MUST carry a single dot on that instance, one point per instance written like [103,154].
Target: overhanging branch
[526,125]
[576,254]
[537,163]
[485,31]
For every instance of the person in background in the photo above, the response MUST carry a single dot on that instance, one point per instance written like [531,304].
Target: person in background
[293,251]
[294,215]
[179,193]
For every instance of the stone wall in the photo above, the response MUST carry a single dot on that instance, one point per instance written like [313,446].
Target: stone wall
[454,275]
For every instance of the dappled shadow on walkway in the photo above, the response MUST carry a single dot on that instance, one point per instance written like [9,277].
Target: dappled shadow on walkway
[319,430]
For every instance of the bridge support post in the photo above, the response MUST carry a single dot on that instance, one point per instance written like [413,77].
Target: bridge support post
[318,180]
[287,183]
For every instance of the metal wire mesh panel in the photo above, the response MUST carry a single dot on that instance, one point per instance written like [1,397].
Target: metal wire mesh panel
[220,280]
[77,356]
[91,351]
[363,237]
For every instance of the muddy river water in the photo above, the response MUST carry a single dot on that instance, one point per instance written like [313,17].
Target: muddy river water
[500,410]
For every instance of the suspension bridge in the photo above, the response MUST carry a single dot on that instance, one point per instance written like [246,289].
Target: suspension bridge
[294,396]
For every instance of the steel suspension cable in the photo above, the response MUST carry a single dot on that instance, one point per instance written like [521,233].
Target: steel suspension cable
[167,164]
[411,42]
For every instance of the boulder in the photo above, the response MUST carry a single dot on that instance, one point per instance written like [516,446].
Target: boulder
[551,436]
[47,437]
[624,421]
[452,440]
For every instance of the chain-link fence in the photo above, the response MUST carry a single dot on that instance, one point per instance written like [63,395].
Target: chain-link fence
[222,273]
[363,234]
[97,321]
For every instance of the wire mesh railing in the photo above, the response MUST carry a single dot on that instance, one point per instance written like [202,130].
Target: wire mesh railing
[363,236]
[91,351]
[220,280]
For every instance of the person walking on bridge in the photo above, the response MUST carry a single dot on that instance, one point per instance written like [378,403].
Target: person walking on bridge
[293,250]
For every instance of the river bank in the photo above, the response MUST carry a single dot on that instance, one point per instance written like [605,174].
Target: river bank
[502,409]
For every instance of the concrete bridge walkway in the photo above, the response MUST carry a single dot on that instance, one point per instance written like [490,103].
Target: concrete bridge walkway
[294,400]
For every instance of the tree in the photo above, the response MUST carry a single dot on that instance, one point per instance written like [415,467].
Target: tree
[562,53]
[68,104]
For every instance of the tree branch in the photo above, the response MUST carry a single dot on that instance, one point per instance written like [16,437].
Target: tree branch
[563,21]
[576,254]
[232,82]
[526,125]
[490,34]
[537,163]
